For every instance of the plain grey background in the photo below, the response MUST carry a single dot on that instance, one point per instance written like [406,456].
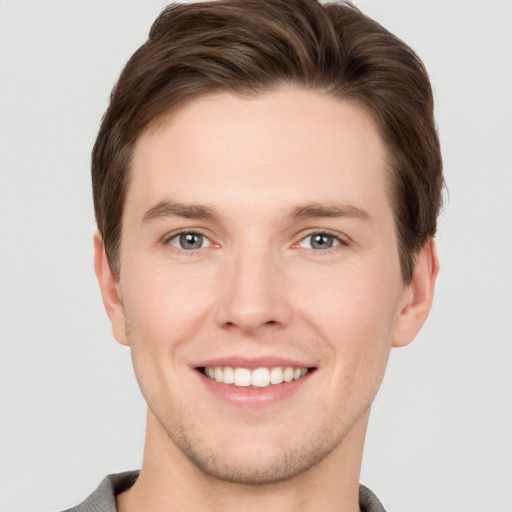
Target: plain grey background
[70,410]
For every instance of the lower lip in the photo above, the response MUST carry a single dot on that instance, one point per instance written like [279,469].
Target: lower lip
[251,397]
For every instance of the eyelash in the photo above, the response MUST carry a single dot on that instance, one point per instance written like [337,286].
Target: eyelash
[337,240]
[185,232]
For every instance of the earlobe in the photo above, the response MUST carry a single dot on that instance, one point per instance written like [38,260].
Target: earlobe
[110,290]
[418,296]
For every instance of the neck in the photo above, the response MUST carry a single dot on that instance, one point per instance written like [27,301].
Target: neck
[170,481]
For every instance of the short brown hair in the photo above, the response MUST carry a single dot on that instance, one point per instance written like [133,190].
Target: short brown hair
[252,46]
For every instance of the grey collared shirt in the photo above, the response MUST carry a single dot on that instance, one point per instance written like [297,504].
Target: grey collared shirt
[103,499]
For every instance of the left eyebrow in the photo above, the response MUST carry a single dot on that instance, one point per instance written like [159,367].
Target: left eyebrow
[172,209]
[319,210]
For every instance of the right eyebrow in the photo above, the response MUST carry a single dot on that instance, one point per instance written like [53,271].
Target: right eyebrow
[165,209]
[319,210]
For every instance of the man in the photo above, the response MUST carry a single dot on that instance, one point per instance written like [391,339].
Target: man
[266,180]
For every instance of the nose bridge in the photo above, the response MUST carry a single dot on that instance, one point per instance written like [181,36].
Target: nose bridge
[253,289]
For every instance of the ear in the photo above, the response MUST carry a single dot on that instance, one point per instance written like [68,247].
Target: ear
[417,296]
[110,291]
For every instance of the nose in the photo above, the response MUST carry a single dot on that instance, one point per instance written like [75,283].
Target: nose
[254,296]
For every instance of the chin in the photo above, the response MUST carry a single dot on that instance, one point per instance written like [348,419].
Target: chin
[249,462]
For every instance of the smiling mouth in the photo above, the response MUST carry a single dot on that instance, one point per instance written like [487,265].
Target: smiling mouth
[256,378]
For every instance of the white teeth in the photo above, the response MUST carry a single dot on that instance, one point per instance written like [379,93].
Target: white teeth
[276,375]
[288,374]
[228,375]
[257,378]
[242,377]
[260,378]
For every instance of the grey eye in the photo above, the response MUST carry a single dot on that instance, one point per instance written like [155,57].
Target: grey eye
[319,242]
[189,241]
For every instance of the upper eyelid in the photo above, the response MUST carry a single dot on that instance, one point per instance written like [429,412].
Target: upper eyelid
[167,239]
[185,231]
[344,239]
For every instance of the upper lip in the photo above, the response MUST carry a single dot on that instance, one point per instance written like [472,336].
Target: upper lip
[252,363]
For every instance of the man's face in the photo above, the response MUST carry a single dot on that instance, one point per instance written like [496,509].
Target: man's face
[258,243]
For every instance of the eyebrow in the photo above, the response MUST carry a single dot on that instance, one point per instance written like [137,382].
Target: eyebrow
[172,209]
[319,210]
[168,208]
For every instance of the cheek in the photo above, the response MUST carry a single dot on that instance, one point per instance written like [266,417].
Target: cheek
[357,331]
[165,305]
[353,301]
[354,313]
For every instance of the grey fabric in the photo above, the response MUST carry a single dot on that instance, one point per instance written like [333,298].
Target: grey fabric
[368,502]
[103,499]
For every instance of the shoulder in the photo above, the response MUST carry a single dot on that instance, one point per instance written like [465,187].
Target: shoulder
[368,502]
[103,499]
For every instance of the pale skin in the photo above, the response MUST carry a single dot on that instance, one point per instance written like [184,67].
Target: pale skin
[294,259]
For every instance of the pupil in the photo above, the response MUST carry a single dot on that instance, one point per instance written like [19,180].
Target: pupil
[322,242]
[191,241]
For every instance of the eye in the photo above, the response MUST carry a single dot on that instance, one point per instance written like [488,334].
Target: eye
[189,241]
[319,242]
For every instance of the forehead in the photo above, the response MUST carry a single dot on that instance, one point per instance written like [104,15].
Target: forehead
[281,147]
